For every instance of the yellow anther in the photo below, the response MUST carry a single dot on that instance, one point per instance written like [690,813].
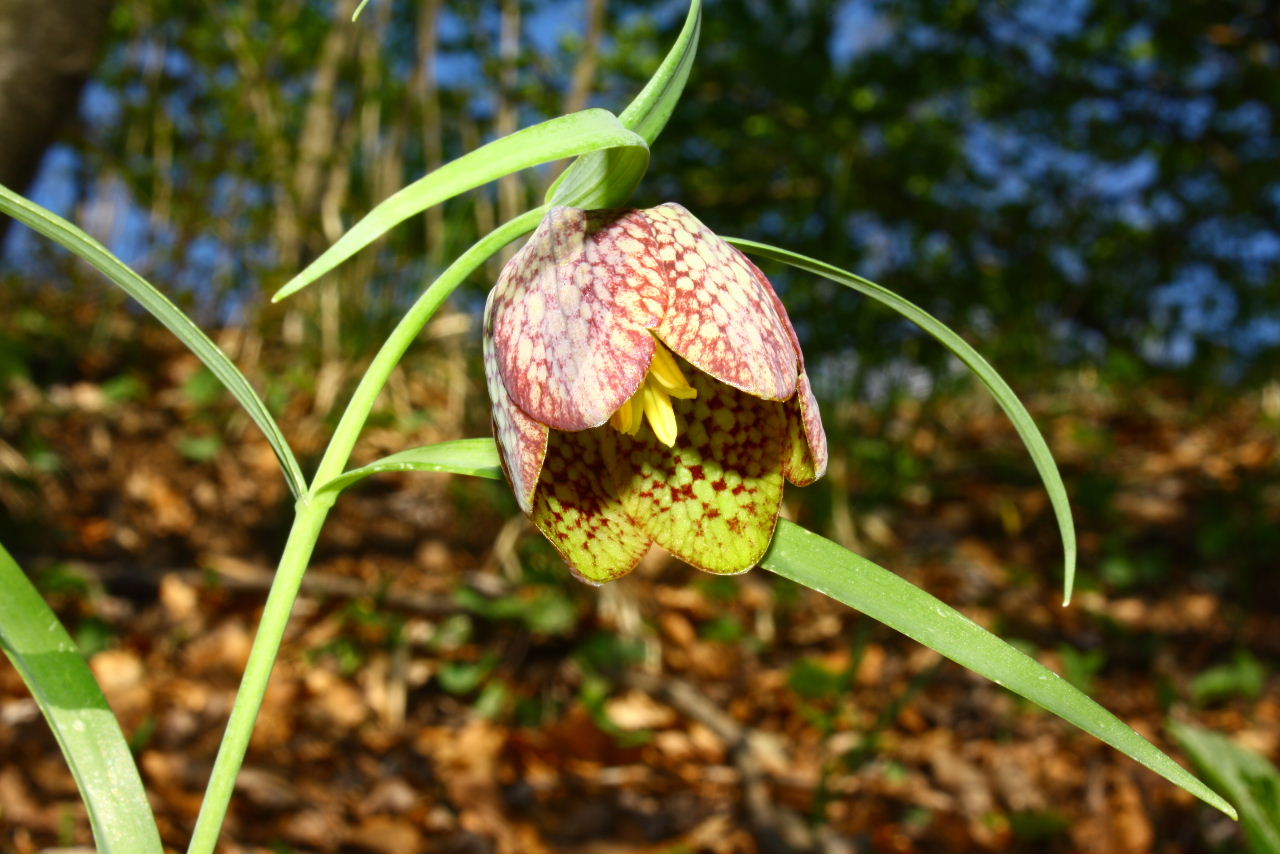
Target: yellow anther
[652,400]
[661,415]
[629,416]
[666,372]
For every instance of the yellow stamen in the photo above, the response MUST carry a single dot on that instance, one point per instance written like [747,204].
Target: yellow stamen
[621,419]
[629,416]
[666,372]
[652,400]
[661,415]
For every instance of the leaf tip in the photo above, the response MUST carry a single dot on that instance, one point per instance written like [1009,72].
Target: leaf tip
[290,288]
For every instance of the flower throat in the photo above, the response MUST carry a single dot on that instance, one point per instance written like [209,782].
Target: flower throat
[652,400]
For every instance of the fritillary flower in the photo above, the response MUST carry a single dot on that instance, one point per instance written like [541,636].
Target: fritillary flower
[647,387]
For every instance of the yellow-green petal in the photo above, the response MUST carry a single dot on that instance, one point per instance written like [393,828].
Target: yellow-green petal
[712,499]
[580,514]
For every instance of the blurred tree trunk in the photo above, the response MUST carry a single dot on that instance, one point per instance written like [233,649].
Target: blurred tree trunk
[48,48]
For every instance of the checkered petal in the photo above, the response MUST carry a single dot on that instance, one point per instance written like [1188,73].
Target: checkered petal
[807,457]
[719,316]
[712,500]
[522,442]
[578,510]
[571,313]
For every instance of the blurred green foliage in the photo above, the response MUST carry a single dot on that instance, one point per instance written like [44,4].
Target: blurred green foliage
[1244,775]
[1244,676]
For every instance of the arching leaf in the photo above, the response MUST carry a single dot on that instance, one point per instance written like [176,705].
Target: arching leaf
[1004,395]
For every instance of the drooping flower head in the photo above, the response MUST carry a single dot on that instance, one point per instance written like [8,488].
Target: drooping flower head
[647,387]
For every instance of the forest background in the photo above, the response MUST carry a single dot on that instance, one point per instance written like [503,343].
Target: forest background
[1089,192]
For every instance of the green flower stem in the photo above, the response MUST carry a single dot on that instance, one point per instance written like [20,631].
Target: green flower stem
[312,509]
[366,394]
[311,513]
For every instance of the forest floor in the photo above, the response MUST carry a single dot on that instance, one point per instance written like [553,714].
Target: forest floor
[445,686]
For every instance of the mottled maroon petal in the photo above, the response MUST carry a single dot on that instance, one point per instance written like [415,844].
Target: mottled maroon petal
[522,441]
[807,457]
[718,315]
[571,313]
[807,441]
[712,499]
[576,508]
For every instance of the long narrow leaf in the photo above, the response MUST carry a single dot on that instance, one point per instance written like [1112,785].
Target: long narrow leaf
[566,136]
[1004,395]
[64,688]
[820,564]
[475,457]
[605,179]
[85,247]
[648,112]
[1246,777]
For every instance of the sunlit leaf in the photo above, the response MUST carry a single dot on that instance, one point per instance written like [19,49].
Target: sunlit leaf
[1004,395]
[566,136]
[64,233]
[818,563]
[475,457]
[72,703]
[606,179]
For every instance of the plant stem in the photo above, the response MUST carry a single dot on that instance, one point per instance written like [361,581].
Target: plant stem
[312,509]
[310,517]
[366,394]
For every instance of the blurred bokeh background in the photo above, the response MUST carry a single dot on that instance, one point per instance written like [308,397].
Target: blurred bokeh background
[1089,192]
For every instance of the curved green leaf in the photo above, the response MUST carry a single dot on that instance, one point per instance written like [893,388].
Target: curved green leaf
[475,457]
[72,703]
[1247,777]
[818,563]
[1005,396]
[62,232]
[647,114]
[606,179]
[566,136]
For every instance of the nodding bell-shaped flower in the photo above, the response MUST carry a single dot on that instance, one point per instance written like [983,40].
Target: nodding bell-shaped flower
[647,387]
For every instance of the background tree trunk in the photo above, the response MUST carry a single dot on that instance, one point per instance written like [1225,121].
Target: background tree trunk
[48,48]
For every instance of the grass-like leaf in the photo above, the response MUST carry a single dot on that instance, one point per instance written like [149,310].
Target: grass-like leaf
[555,139]
[648,112]
[72,703]
[475,457]
[818,563]
[1246,777]
[605,179]
[60,231]
[1004,395]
